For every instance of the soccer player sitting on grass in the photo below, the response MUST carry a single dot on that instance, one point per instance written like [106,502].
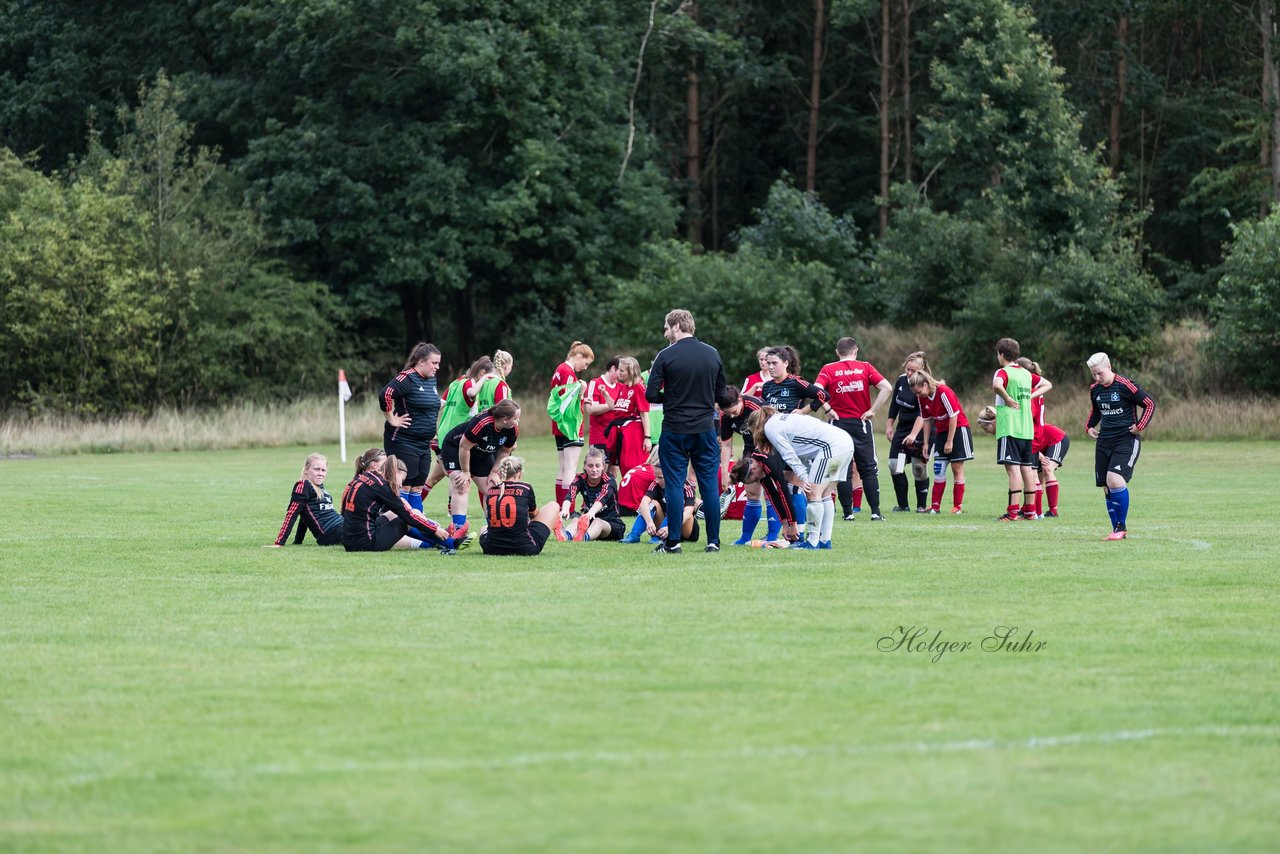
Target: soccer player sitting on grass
[515,524]
[375,518]
[653,510]
[311,507]
[1115,423]
[599,519]
[771,474]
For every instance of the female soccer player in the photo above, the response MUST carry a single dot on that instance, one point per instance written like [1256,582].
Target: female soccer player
[311,507]
[515,524]
[653,510]
[600,519]
[952,439]
[459,403]
[629,436]
[903,411]
[735,411]
[376,519]
[472,449]
[410,404]
[1115,423]
[818,455]
[631,490]
[569,447]
[771,474]
[785,390]
[1049,448]
[598,404]
[492,388]
[752,384]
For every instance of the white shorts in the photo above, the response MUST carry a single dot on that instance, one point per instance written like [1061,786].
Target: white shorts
[833,469]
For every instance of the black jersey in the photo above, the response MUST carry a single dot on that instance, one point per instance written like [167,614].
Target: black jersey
[606,492]
[658,495]
[905,406]
[1115,406]
[412,394]
[481,431]
[311,509]
[775,484]
[368,497]
[729,426]
[790,394]
[507,511]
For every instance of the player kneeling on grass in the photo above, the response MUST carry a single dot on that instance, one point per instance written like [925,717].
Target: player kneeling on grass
[653,510]
[600,519]
[515,524]
[311,507]
[376,519]
[818,455]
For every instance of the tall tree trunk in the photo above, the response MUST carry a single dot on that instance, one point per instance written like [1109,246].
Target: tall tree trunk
[886,69]
[413,331]
[815,97]
[464,321]
[1117,100]
[904,45]
[1271,94]
[693,150]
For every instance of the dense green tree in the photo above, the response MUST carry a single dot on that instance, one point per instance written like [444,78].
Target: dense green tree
[1246,308]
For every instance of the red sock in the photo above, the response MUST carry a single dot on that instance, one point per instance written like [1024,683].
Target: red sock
[958,493]
[1039,496]
[857,496]
[1052,488]
[425,491]
[561,492]
[939,487]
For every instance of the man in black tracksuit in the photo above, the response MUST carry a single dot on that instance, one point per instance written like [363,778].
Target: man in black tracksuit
[687,378]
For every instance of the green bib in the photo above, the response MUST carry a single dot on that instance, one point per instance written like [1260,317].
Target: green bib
[1015,423]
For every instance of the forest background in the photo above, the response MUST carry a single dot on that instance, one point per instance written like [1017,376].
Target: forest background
[208,203]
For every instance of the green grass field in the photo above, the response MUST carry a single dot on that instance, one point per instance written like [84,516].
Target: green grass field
[167,684]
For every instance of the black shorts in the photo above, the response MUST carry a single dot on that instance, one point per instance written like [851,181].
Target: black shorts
[563,442]
[387,531]
[481,463]
[863,434]
[961,445]
[331,537]
[1116,455]
[915,452]
[514,544]
[416,459]
[617,530]
[1013,452]
[1055,453]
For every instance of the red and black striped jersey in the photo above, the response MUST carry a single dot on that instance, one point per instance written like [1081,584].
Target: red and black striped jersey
[606,492]
[311,509]
[1115,407]
[368,497]
[481,431]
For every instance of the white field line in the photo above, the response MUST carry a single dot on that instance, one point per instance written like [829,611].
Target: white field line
[644,757]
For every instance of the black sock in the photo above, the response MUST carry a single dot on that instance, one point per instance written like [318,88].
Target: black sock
[900,488]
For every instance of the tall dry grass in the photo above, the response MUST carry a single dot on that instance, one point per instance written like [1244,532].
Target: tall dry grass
[241,425]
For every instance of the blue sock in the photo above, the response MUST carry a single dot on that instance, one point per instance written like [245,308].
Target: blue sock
[459,519]
[774,524]
[637,528]
[1111,506]
[750,518]
[586,538]
[414,499]
[1120,497]
[800,504]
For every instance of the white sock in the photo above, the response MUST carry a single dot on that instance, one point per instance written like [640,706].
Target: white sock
[828,519]
[814,523]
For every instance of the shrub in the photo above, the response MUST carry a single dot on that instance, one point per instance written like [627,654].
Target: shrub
[1246,308]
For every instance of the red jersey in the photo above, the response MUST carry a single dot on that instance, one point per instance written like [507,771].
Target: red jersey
[563,376]
[629,400]
[751,385]
[1046,437]
[941,408]
[1037,419]
[596,393]
[849,384]
[635,483]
